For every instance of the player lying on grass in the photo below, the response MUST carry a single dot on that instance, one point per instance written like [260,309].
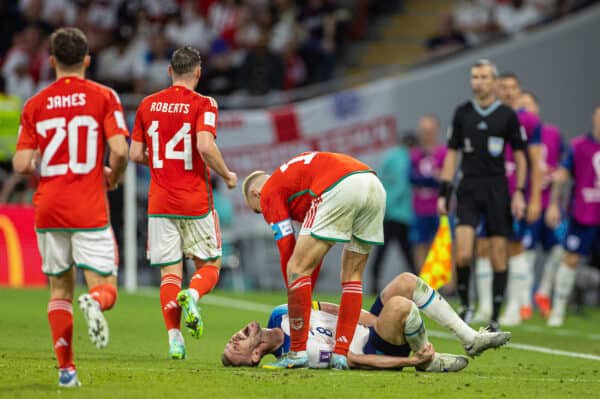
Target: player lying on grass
[384,337]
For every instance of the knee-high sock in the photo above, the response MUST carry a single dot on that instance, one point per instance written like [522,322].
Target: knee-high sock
[529,274]
[549,272]
[563,286]
[499,286]
[60,318]
[203,281]
[483,278]
[463,275]
[105,295]
[414,329]
[299,306]
[349,313]
[517,275]
[437,309]
[170,286]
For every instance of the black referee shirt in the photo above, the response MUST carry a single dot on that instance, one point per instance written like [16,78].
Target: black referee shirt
[481,135]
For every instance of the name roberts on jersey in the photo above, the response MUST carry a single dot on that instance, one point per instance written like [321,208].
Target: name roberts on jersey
[171,108]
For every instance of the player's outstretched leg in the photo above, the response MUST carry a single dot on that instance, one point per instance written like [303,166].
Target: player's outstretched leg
[96,322]
[436,308]
[445,362]
[191,313]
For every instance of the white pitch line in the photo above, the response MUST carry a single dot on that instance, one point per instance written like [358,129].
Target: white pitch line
[560,332]
[241,304]
[526,347]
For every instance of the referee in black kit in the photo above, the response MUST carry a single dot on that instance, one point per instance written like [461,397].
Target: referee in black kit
[480,129]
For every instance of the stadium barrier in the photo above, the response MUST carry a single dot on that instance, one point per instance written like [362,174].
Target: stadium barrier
[20,262]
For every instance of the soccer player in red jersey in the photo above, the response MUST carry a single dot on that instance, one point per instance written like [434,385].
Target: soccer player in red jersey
[174,134]
[69,124]
[338,199]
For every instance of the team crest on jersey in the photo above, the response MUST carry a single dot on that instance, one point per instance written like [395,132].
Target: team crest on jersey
[495,146]
[296,323]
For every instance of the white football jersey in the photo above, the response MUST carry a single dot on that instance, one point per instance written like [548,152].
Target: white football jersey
[321,337]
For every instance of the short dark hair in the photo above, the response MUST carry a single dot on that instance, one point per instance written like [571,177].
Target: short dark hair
[530,93]
[185,59]
[69,46]
[485,62]
[509,75]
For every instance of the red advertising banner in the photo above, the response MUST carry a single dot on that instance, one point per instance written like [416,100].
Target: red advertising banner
[20,262]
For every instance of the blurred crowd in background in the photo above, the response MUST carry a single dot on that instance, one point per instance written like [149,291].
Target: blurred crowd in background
[250,45]
[473,22]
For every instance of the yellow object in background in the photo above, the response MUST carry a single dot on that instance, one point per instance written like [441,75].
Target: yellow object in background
[437,269]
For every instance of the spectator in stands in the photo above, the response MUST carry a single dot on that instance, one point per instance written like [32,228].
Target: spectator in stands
[223,18]
[474,19]
[285,29]
[219,76]
[116,64]
[447,40]
[394,174]
[294,68]
[186,28]
[427,159]
[318,24]
[516,16]
[16,67]
[262,70]
[150,71]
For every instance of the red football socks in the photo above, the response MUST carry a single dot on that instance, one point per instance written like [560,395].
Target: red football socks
[205,279]
[105,295]
[299,307]
[60,317]
[170,285]
[349,313]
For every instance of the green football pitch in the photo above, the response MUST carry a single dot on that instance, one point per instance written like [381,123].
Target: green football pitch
[539,363]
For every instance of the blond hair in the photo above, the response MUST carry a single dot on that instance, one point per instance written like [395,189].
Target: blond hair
[248,182]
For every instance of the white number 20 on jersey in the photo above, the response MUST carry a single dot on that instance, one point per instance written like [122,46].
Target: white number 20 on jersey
[70,131]
[182,134]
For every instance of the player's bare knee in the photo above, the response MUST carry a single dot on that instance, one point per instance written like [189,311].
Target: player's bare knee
[405,284]
[399,306]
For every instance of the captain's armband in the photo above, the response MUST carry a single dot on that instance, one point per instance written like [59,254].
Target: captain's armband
[282,229]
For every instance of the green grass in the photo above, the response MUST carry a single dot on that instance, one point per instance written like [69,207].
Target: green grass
[135,364]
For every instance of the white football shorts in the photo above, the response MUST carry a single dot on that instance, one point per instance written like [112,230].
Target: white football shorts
[88,249]
[351,211]
[170,239]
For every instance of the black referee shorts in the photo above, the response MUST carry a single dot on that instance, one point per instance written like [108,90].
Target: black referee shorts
[489,198]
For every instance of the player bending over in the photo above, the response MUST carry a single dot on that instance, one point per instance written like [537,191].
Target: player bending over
[384,337]
[338,199]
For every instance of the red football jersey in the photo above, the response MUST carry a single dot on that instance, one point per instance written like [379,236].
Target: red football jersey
[167,122]
[290,189]
[69,122]
[288,193]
